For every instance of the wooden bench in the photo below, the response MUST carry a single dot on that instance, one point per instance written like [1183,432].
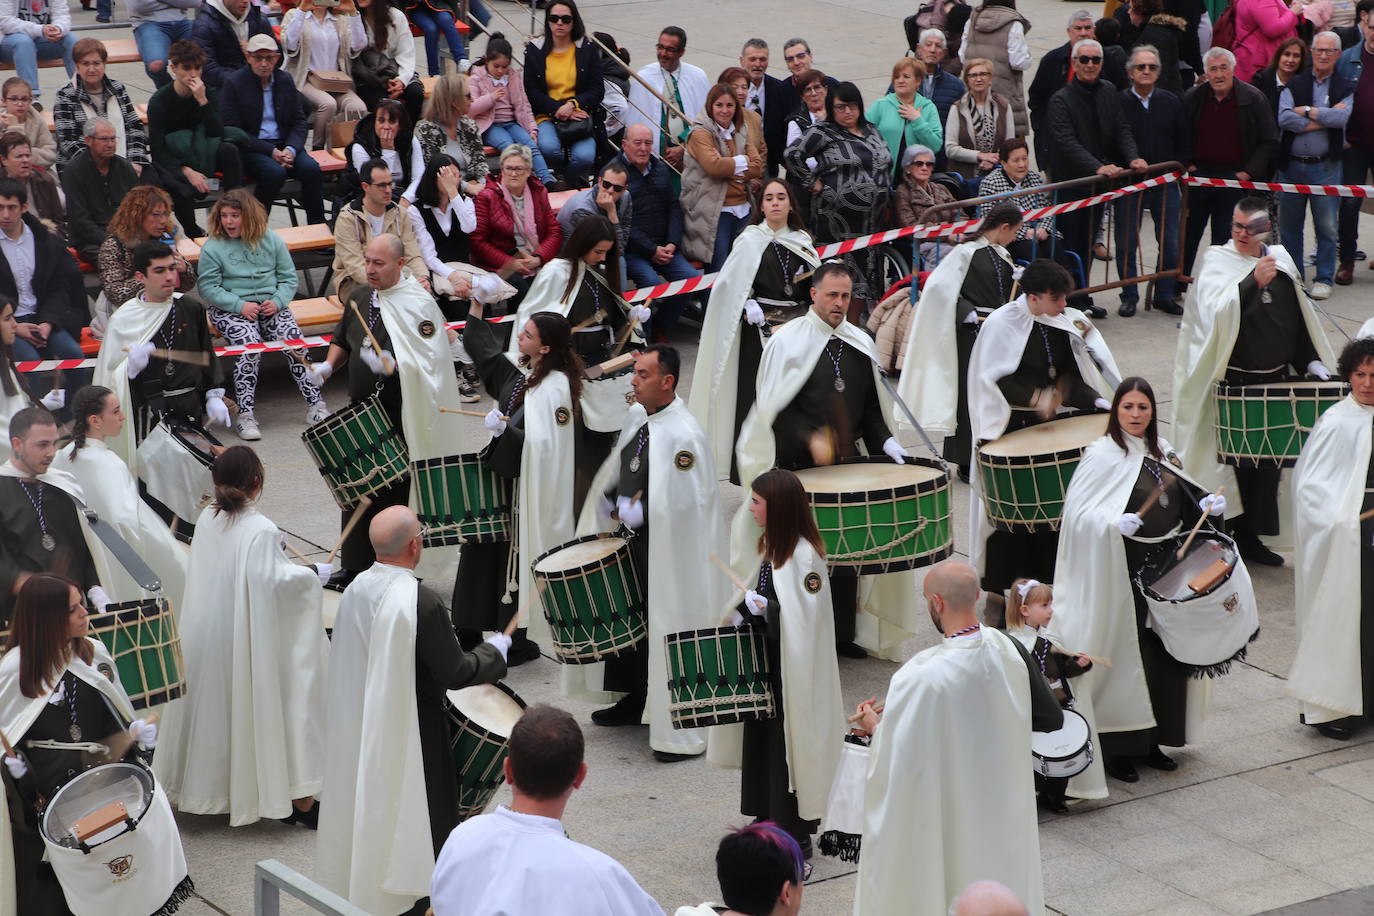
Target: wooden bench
[121,51]
[313,316]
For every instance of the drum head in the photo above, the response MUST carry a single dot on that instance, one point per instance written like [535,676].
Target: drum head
[1063,742]
[1167,577]
[92,790]
[857,478]
[579,554]
[1047,438]
[488,706]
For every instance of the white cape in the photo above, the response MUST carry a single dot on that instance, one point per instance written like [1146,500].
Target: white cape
[888,603]
[1211,323]
[11,404]
[942,813]
[547,295]
[686,526]
[134,322]
[111,491]
[1328,493]
[373,844]
[546,487]
[249,735]
[712,398]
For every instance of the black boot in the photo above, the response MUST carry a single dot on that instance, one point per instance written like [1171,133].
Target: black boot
[522,649]
[629,711]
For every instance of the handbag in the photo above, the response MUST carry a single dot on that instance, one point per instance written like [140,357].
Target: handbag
[570,132]
[331,80]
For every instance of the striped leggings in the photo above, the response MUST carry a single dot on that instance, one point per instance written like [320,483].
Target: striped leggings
[238,330]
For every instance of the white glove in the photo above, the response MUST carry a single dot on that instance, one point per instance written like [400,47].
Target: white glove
[18,767]
[895,451]
[1129,523]
[1102,404]
[631,512]
[145,733]
[1214,504]
[741,165]
[1316,368]
[736,619]
[640,313]
[502,643]
[971,317]
[753,313]
[54,399]
[493,422]
[324,571]
[139,355]
[318,373]
[99,600]
[215,408]
[486,288]
[380,363]
[756,603]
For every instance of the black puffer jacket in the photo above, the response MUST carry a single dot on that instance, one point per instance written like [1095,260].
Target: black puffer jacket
[1089,129]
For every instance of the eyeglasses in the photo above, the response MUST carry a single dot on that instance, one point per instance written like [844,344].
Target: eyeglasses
[845,106]
[610,186]
[793,58]
[1247,228]
[264,56]
[814,87]
[666,49]
[559,17]
[1326,50]
[923,163]
[1085,60]
[515,169]
[1148,67]
[382,184]
[981,75]
[18,98]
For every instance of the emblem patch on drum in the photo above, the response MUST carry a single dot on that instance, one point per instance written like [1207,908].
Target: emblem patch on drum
[120,865]
[812,582]
[427,329]
[562,415]
[684,460]
[1231,603]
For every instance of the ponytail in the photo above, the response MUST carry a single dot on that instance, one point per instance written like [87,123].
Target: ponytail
[238,475]
[497,46]
[89,401]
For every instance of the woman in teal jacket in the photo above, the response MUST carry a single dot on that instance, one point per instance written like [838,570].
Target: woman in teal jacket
[904,117]
[248,281]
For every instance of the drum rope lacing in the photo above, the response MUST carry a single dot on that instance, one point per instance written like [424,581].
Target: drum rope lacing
[865,552]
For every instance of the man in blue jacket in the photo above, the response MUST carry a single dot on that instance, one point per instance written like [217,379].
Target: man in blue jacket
[223,28]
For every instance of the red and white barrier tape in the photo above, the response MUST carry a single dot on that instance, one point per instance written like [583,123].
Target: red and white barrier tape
[1319,190]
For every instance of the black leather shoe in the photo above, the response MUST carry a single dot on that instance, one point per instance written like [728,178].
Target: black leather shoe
[963,473]
[1126,310]
[521,652]
[1158,760]
[1095,311]
[850,650]
[1121,769]
[1168,307]
[1254,551]
[1052,804]
[629,711]
[310,820]
[668,757]
[1339,732]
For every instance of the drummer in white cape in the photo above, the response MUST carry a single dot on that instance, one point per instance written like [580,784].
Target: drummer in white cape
[112,493]
[1247,321]
[819,394]
[519,859]
[62,707]
[410,376]
[254,643]
[536,428]
[1034,359]
[765,269]
[972,280]
[1127,503]
[939,813]
[390,794]
[1333,491]
[661,484]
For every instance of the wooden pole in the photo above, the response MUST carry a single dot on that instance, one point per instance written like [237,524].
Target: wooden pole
[190,357]
[1182,551]
[353,520]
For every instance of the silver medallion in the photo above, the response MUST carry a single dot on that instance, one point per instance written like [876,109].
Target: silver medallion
[1163,500]
[74,731]
[787,290]
[839,383]
[634,465]
[1054,373]
[168,368]
[47,542]
[1266,297]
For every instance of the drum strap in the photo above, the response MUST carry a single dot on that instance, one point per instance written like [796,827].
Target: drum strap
[1174,532]
[90,747]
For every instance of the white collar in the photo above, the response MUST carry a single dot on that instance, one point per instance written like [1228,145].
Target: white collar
[726,133]
[500,82]
[1143,98]
[530,821]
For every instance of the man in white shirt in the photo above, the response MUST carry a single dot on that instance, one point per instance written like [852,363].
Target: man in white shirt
[681,83]
[519,860]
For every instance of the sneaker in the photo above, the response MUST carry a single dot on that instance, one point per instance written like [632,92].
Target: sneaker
[317,412]
[468,383]
[1320,291]
[464,65]
[247,428]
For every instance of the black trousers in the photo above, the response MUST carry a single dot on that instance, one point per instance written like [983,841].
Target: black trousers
[1204,205]
[357,554]
[844,603]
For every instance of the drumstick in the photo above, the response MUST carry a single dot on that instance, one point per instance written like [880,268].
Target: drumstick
[729,573]
[1367,515]
[1150,500]
[191,357]
[519,616]
[348,529]
[1104,662]
[1182,551]
[588,322]
[857,716]
[625,334]
[118,744]
[468,413]
[9,751]
[376,347]
[296,553]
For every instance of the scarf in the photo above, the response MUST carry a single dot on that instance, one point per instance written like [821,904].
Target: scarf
[984,125]
[110,110]
[523,217]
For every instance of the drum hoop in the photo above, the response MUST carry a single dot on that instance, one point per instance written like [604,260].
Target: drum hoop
[87,848]
[1270,391]
[1087,731]
[1204,534]
[575,572]
[480,731]
[933,485]
[464,459]
[1037,460]
[178,429]
[128,614]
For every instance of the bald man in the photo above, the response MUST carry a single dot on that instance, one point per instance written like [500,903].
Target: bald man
[390,785]
[950,799]
[987,898]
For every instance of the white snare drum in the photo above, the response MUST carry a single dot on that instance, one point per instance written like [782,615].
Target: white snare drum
[1065,752]
[135,865]
[174,463]
[842,828]
[606,400]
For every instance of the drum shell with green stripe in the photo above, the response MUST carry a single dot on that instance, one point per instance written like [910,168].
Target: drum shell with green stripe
[876,516]
[718,677]
[478,754]
[358,451]
[592,597]
[459,500]
[1024,475]
[1267,425]
[143,639]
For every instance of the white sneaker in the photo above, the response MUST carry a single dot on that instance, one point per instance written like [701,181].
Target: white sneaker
[464,65]
[247,428]
[1320,291]
[317,412]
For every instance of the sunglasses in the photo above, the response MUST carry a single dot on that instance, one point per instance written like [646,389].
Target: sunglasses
[611,187]
[923,164]
[1085,60]
[559,17]
[1150,67]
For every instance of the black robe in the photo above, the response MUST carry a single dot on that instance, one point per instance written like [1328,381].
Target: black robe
[21,549]
[184,328]
[629,671]
[987,285]
[595,342]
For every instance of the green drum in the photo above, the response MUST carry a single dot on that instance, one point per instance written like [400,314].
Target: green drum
[460,500]
[718,677]
[879,517]
[481,717]
[143,639]
[592,597]
[1025,474]
[358,451]
[1267,425]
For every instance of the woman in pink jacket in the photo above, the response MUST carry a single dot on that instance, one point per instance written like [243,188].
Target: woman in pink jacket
[1261,25]
[500,106]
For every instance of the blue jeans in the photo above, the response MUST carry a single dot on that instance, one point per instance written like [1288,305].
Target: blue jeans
[25,53]
[60,345]
[431,24]
[1164,206]
[1356,165]
[153,40]
[578,165]
[501,136]
[1293,213]
[727,227]
[478,8]
[269,175]
[644,272]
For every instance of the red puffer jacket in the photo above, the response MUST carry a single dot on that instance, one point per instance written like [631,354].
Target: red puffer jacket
[494,238]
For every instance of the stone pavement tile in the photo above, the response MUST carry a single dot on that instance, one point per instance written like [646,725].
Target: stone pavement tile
[1121,894]
[1356,777]
[1254,827]
[1220,866]
[1081,870]
[1320,844]
[1345,872]
[1188,907]
[1338,805]
[1231,794]
[1161,851]
[1097,829]
[1358,902]
[1255,895]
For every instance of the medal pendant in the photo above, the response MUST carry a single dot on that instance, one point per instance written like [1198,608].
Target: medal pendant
[1164,500]
[47,543]
[839,383]
[634,465]
[1054,373]
[1266,297]
[787,290]
[75,732]
[168,369]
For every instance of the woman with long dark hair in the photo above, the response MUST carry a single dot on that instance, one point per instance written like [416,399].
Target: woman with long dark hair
[564,83]
[724,154]
[253,641]
[385,69]
[388,134]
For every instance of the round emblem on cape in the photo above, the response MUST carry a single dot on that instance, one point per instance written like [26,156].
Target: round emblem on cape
[629,399]
[812,582]
[1174,460]
[1083,326]
[105,670]
[562,415]
[684,460]
[427,329]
